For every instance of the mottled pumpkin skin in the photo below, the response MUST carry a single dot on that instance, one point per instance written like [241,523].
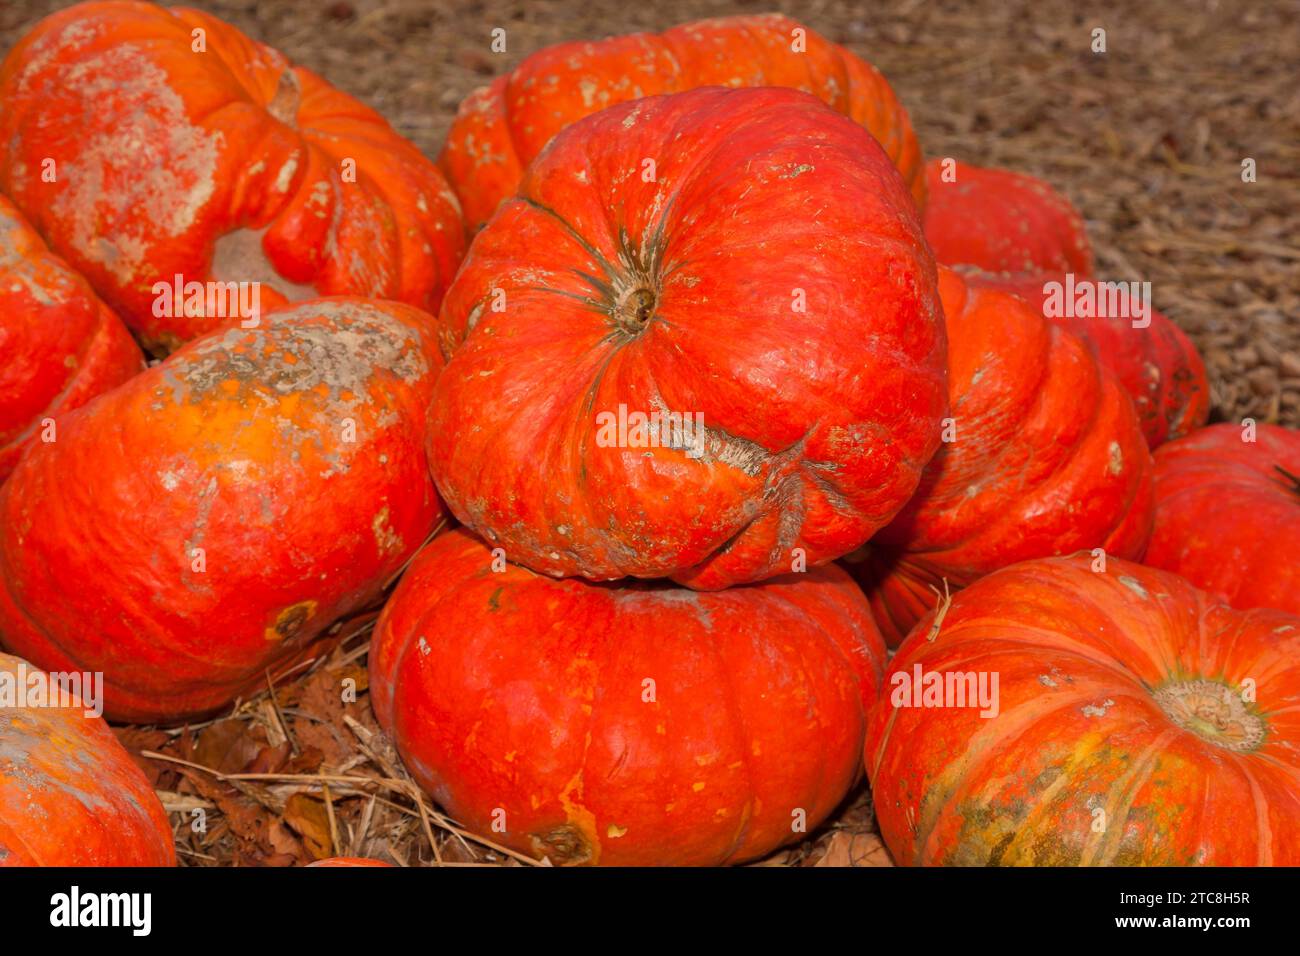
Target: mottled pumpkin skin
[229,164]
[238,445]
[60,346]
[501,128]
[70,794]
[1001,222]
[1048,458]
[682,295]
[636,724]
[1158,365]
[1228,514]
[1121,738]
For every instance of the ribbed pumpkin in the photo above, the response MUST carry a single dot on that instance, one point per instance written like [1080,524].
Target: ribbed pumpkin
[60,346]
[1228,514]
[1158,365]
[767,284]
[1001,222]
[208,520]
[1138,722]
[69,793]
[637,724]
[1046,458]
[146,143]
[501,128]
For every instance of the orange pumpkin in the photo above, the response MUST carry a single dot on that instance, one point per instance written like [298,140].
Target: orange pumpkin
[1046,457]
[70,795]
[146,143]
[60,345]
[501,128]
[634,724]
[1134,721]
[207,521]
[1000,221]
[767,288]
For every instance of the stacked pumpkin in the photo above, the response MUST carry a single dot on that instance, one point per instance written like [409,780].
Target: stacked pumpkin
[698,349]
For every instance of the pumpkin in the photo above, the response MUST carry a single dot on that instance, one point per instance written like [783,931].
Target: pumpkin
[1228,513]
[70,795]
[148,144]
[1001,221]
[1134,721]
[635,724]
[1157,364]
[1046,458]
[61,345]
[503,127]
[702,343]
[206,522]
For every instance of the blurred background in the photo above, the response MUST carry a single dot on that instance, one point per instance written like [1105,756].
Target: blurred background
[1147,139]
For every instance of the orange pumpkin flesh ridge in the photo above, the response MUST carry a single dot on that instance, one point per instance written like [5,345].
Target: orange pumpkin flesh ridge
[502,128]
[636,724]
[228,164]
[1228,514]
[1047,457]
[679,294]
[209,519]
[70,795]
[61,346]
[1139,722]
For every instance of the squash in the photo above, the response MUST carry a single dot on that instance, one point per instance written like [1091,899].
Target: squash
[1228,513]
[61,345]
[207,522]
[349,861]
[634,724]
[1134,721]
[1157,364]
[1001,221]
[70,795]
[503,127]
[147,144]
[743,270]
[1046,458]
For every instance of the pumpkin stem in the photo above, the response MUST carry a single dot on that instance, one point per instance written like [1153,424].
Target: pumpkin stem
[1213,711]
[634,309]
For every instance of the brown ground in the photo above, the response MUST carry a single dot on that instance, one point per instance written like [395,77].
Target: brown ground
[1148,141]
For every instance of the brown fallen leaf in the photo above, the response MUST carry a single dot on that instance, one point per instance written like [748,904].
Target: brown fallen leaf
[846,848]
[308,817]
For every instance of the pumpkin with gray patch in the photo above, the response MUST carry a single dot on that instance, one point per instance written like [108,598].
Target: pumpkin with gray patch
[147,143]
[70,795]
[208,521]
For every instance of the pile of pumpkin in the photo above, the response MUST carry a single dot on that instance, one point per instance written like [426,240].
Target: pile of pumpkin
[630,646]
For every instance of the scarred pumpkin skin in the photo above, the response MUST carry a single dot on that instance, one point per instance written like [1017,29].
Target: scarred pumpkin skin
[1126,731]
[501,128]
[69,793]
[226,164]
[1158,365]
[595,291]
[1228,514]
[1001,222]
[208,520]
[1048,458]
[636,724]
[60,346]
